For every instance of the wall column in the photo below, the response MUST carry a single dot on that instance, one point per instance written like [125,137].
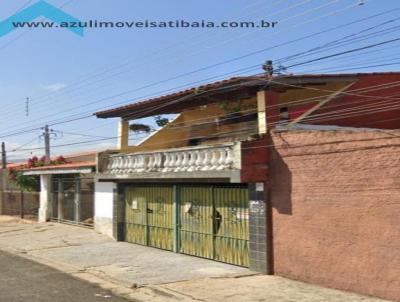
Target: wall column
[260,229]
[78,216]
[3,175]
[256,174]
[104,207]
[123,134]
[119,213]
[268,110]
[46,206]
[61,199]
[262,121]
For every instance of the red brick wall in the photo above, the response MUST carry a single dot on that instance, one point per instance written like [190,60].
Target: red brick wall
[336,209]
[254,160]
[380,109]
[255,153]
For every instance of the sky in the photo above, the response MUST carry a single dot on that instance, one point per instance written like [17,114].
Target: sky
[68,77]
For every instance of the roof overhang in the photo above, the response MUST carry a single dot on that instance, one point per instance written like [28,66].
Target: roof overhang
[83,170]
[206,94]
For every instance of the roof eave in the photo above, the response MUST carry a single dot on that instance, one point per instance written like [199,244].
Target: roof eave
[279,83]
[82,170]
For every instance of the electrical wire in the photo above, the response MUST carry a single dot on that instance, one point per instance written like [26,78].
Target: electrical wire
[344,52]
[340,41]
[317,9]
[89,114]
[351,22]
[28,30]
[143,62]
[219,134]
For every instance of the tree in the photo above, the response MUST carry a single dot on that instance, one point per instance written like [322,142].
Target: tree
[24,182]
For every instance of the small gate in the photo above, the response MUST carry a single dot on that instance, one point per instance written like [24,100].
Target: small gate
[73,200]
[214,223]
[149,216]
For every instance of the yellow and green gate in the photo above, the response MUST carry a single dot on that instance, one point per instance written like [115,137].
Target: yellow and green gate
[200,220]
[149,216]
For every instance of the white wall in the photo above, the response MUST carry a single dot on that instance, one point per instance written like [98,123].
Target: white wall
[103,207]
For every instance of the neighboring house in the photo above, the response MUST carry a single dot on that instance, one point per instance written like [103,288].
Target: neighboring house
[67,189]
[198,185]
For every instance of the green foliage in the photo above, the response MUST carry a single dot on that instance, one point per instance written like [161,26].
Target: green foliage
[24,182]
[161,121]
[31,183]
[140,128]
[230,107]
[235,106]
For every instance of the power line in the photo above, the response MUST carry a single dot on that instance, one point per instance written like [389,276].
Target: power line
[27,31]
[24,145]
[336,42]
[361,67]
[308,12]
[23,6]
[218,64]
[387,58]
[79,134]
[356,113]
[355,40]
[248,112]
[344,52]
[145,63]
[89,114]
[84,117]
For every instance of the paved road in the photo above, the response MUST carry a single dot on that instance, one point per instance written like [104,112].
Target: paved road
[23,280]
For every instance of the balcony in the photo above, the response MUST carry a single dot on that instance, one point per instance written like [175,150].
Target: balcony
[220,161]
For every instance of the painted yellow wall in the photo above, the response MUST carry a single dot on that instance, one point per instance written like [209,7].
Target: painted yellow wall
[191,123]
[199,122]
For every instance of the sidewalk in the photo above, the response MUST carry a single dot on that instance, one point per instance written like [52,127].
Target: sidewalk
[146,274]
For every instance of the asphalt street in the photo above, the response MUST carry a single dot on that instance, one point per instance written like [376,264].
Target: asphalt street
[24,280]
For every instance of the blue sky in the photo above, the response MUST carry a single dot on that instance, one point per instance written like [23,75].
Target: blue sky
[68,76]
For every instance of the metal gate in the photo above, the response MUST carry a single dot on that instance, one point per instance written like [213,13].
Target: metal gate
[73,200]
[214,223]
[149,216]
[210,221]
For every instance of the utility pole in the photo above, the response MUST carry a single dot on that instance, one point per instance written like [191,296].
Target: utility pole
[46,135]
[3,156]
[27,107]
[268,68]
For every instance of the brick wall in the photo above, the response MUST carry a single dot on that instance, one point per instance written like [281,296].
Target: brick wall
[379,110]
[336,209]
[254,159]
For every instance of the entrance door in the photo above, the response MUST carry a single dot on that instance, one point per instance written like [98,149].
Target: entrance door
[231,231]
[196,221]
[148,216]
[214,223]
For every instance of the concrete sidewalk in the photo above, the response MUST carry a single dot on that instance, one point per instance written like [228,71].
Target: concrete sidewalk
[146,274]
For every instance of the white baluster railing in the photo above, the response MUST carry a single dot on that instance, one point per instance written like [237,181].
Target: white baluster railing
[210,158]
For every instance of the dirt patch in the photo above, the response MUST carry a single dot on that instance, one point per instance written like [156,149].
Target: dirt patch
[13,219]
